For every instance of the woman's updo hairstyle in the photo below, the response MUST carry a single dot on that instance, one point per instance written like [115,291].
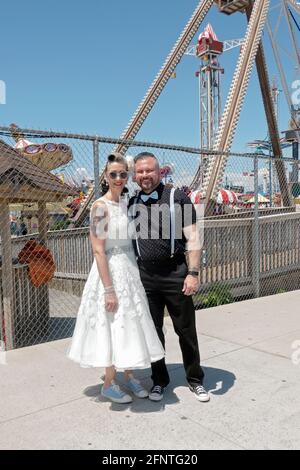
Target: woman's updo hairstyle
[114,157]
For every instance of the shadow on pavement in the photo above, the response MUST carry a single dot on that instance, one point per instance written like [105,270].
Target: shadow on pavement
[217,382]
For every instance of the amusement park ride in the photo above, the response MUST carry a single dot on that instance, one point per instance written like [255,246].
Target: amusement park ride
[48,156]
[208,177]
[208,50]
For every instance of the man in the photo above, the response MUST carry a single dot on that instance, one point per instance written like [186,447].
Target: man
[167,279]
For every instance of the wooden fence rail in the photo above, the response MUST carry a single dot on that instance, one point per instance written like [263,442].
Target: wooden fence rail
[227,252]
[229,257]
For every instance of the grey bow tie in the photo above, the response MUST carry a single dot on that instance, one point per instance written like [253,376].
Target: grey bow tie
[145,197]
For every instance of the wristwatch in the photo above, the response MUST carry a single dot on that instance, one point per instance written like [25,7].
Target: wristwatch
[193,273]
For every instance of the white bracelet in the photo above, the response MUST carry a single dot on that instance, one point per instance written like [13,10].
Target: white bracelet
[109,289]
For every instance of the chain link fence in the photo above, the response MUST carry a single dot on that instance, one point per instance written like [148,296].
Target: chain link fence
[250,244]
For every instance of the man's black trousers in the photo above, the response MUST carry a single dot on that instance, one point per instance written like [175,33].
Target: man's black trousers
[163,287]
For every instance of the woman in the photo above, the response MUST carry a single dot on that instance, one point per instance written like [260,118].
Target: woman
[114,328]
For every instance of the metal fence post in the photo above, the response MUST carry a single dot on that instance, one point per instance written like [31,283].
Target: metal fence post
[255,235]
[270,178]
[96,168]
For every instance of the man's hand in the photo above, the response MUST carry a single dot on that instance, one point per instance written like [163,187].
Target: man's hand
[190,285]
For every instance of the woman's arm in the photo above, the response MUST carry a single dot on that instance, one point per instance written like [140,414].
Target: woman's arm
[98,235]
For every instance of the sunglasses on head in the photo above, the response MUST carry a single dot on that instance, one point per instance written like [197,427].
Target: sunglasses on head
[114,174]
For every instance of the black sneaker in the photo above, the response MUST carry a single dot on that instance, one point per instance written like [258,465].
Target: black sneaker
[200,392]
[156,393]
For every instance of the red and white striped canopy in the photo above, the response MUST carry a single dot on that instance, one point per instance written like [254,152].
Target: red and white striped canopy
[208,33]
[224,196]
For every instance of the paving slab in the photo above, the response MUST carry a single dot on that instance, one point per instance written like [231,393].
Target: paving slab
[254,320]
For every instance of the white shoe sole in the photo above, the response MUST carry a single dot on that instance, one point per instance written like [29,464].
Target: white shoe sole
[203,399]
[155,398]
[118,400]
[143,395]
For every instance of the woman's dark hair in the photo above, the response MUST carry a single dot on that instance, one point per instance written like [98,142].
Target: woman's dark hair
[104,187]
[116,157]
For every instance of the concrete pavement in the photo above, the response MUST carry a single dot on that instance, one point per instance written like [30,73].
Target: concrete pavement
[251,355]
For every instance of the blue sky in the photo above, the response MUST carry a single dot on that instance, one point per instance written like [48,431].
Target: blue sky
[84,67]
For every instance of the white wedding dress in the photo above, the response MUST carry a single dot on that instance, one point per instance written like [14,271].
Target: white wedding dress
[126,339]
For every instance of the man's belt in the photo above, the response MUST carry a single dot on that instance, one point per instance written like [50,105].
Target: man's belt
[162,263]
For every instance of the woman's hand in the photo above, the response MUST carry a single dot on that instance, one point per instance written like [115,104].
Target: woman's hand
[111,302]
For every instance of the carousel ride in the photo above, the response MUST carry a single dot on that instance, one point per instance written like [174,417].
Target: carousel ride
[48,156]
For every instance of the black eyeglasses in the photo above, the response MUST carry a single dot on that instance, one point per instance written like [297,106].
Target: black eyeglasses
[114,174]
